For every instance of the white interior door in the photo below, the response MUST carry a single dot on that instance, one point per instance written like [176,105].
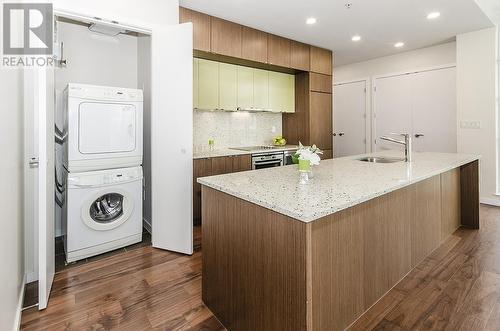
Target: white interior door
[172,138]
[392,109]
[349,121]
[434,112]
[43,104]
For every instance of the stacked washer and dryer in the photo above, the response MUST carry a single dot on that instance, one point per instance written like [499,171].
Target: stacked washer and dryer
[102,163]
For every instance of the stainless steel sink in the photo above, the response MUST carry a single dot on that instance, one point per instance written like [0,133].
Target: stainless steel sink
[379,159]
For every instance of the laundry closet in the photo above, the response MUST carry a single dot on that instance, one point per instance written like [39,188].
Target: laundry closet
[103,158]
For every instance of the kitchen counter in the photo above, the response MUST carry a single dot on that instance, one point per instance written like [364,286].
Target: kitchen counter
[337,184]
[229,152]
[317,256]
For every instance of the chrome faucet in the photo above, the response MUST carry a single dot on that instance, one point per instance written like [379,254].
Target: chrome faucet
[406,143]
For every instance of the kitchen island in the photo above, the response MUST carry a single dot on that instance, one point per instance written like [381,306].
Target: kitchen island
[279,255]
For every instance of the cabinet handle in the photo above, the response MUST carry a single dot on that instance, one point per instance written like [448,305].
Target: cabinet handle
[418,135]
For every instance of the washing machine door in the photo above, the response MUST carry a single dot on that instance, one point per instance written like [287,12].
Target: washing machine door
[107,209]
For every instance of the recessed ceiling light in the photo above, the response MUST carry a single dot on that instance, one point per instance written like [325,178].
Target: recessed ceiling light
[311,20]
[399,44]
[433,15]
[356,38]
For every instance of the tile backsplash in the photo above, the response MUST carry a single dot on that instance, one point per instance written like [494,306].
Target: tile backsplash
[234,129]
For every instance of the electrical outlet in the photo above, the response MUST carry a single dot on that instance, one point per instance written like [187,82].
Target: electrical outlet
[470,124]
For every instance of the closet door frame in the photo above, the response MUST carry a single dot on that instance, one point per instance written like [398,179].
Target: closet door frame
[373,114]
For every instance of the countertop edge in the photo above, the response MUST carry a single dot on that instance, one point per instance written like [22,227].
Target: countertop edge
[315,217]
[235,152]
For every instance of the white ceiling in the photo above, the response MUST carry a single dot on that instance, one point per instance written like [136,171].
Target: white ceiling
[380,23]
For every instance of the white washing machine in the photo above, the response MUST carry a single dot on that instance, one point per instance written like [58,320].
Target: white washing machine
[103,127]
[103,211]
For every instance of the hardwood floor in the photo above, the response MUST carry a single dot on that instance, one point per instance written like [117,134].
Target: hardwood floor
[456,288]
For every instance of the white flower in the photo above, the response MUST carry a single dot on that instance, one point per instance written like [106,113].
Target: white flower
[309,153]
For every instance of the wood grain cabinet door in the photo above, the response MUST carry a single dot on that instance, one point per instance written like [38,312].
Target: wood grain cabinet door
[242,163]
[225,37]
[299,56]
[201,168]
[201,27]
[279,49]
[321,60]
[208,84]
[320,119]
[228,92]
[254,45]
[321,83]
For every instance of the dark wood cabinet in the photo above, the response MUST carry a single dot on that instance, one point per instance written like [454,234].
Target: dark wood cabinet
[321,61]
[299,56]
[320,120]
[201,168]
[201,27]
[225,37]
[215,166]
[321,83]
[253,45]
[278,51]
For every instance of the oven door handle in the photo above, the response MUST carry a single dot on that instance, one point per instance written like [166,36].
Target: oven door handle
[268,162]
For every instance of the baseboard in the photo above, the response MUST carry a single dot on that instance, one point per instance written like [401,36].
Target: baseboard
[490,201]
[147,225]
[19,311]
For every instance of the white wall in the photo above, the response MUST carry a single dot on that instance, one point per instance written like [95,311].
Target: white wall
[417,59]
[96,59]
[476,68]
[11,197]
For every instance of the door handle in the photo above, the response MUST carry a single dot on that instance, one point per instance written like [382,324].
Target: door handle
[334,134]
[418,135]
[34,162]
[341,134]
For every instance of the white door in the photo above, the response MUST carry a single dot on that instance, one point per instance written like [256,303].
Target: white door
[392,109]
[349,120]
[434,111]
[172,138]
[43,97]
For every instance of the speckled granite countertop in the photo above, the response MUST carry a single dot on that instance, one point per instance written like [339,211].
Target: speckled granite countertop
[229,151]
[337,184]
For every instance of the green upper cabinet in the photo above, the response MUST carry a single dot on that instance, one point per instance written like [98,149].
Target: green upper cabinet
[228,83]
[222,86]
[261,89]
[208,84]
[195,83]
[245,88]
[281,92]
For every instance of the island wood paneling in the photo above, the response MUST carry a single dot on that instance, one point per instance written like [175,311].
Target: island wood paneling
[254,265]
[357,255]
[254,45]
[299,56]
[426,218]
[450,202]
[225,37]
[350,258]
[469,188]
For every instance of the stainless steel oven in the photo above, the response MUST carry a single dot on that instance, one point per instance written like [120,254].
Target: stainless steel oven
[267,160]
[287,157]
